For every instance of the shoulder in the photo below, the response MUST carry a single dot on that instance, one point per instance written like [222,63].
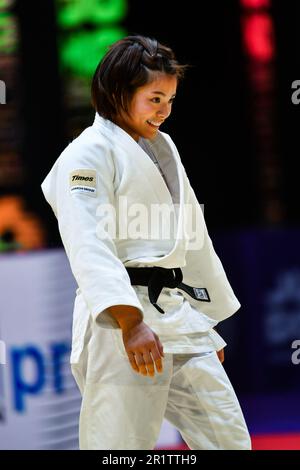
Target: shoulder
[89,150]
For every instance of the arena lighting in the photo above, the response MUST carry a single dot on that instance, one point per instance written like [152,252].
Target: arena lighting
[86,29]
[76,12]
[82,51]
[19,229]
[8,29]
[255,4]
[258,36]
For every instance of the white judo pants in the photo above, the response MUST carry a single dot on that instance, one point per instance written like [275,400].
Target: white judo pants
[122,409]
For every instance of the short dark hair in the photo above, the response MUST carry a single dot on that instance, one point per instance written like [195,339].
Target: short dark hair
[130,63]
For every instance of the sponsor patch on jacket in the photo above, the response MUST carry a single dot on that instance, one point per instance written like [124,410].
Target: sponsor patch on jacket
[83,181]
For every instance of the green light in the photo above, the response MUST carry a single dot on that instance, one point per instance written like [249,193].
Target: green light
[5,4]
[74,13]
[82,52]
[7,33]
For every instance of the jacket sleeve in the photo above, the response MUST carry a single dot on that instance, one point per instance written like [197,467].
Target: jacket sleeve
[86,223]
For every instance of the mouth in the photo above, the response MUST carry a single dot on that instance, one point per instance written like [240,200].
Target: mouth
[154,124]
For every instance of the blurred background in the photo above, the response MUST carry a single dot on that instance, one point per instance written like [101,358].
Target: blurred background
[236,124]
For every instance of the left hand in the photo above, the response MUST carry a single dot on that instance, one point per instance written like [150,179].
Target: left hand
[221,355]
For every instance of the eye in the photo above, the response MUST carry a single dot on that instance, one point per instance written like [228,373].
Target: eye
[155,100]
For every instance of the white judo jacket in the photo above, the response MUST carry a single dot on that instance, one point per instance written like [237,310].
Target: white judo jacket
[102,189]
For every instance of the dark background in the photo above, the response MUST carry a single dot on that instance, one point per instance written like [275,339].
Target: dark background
[212,123]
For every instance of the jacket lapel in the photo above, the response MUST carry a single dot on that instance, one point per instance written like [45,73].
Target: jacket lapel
[167,154]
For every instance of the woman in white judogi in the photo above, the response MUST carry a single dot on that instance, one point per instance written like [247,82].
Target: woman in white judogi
[150,285]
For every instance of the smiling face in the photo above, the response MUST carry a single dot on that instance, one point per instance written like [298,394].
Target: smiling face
[149,108]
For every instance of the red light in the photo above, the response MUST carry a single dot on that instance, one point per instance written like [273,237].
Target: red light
[258,36]
[255,4]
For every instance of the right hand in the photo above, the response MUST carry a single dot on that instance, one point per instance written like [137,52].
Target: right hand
[144,349]
[142,345]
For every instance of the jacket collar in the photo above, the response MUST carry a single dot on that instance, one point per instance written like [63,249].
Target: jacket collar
[107,127]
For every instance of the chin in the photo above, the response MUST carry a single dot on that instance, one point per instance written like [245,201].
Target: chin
[152,134]
[147,135]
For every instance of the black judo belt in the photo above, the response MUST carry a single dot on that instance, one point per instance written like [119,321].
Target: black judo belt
[157,278]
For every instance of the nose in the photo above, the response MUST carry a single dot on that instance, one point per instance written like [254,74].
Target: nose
[164,111]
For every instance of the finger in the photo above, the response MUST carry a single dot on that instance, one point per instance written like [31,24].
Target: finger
[132,361]
[157,359]
[159,345]
[161,348]
[141,363]
[149,363]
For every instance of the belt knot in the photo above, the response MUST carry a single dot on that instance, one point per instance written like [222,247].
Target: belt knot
[160,278]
